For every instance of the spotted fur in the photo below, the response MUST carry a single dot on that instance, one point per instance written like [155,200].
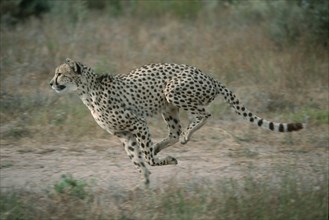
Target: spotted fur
[120,104]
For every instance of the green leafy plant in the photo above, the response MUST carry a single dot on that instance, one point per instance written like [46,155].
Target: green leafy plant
[73,187]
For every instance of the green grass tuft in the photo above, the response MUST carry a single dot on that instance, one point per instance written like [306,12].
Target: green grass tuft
[71,186]
[312,116]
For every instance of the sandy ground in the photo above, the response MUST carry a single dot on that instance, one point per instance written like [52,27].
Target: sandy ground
[213,153]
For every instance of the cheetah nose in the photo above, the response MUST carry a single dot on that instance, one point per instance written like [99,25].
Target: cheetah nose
[51,83]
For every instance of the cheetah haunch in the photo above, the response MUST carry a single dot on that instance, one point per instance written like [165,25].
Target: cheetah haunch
[120,104]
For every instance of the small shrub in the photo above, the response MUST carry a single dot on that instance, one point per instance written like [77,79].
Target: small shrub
[70,186]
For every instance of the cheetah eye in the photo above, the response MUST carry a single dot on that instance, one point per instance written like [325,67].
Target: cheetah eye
[58,74]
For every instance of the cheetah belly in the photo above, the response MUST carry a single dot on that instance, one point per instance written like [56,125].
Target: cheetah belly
[102,122]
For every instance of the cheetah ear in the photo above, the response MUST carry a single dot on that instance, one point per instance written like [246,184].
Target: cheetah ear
[75,66]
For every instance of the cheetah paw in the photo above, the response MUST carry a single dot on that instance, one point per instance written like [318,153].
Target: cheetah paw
[183,139]
[171,160]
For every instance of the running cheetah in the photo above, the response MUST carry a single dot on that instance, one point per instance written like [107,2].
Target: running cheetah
[120,104]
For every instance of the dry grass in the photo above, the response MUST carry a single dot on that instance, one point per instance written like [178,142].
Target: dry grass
[282,82]
[287,195]
[243,57]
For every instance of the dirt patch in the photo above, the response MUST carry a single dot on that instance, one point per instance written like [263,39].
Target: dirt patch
[211,155]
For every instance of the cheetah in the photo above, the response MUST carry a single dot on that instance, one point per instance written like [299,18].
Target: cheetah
[120,104]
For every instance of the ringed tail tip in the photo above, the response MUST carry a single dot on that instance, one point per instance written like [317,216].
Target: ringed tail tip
[295,126]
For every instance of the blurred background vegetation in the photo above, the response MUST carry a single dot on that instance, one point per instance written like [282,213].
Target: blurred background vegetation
[289,20]
[272,52]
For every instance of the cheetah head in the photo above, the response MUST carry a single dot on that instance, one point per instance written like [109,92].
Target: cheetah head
[67,76]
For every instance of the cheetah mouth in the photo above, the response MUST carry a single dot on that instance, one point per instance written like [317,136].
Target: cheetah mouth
[60,88]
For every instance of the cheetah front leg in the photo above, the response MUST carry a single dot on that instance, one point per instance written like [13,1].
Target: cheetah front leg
[143,138]
[171,117]
[134,153]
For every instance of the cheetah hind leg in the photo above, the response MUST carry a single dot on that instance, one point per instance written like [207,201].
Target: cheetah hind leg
[197,119]
[171,117]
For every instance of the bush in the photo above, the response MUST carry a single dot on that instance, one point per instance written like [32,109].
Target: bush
[317,12]
[286,21]
[14,11]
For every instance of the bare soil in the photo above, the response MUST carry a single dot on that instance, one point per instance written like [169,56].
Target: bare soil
[232,151]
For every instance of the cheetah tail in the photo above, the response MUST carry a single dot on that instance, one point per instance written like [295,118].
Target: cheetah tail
[247,115]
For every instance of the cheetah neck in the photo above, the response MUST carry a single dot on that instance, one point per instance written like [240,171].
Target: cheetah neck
[87,89]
